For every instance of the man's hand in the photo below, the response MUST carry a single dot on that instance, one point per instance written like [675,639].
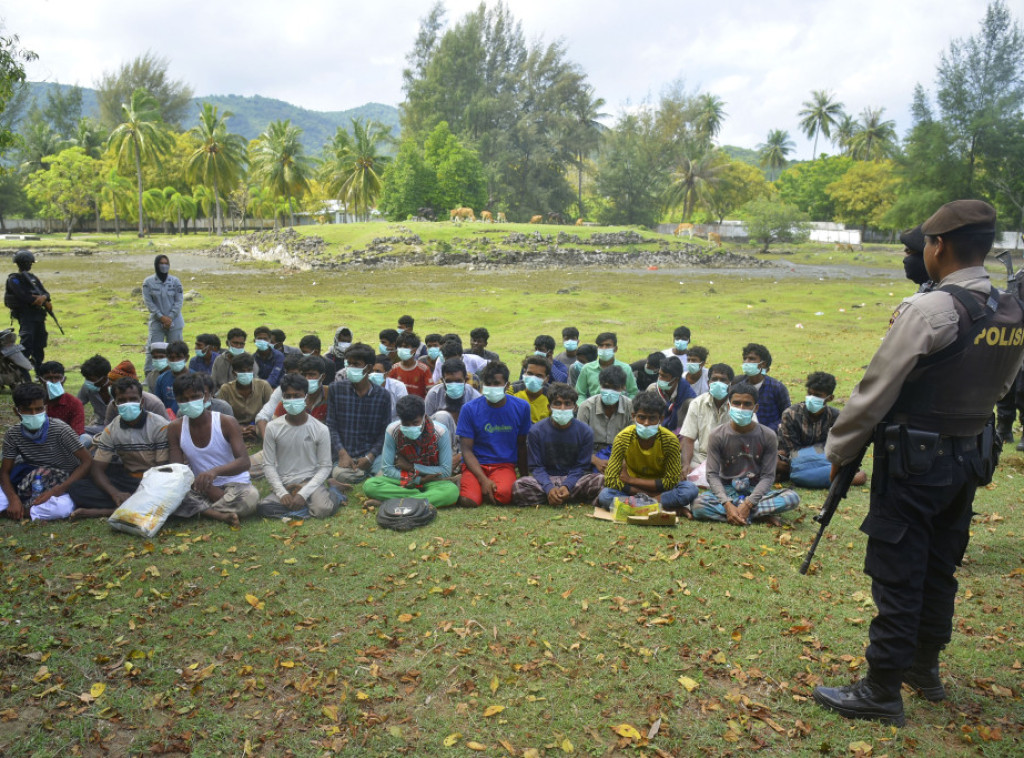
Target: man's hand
[599,463]
[39,300]
[293,501]
[46,495]
[488,490]
[166,322]
[404,464]
[345,460]
[558,495]
[364,463]
[427,478]
[203,482]
[250,433]
[835,471]
[119,497]
[15,510]
[734,515]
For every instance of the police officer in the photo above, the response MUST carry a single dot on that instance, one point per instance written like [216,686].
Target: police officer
[928,460]
[29,302]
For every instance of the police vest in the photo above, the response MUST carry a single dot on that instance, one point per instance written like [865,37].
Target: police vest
[952,391]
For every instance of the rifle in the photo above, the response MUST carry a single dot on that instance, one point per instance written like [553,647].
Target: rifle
[49,310]
[837,491]
[1013,280]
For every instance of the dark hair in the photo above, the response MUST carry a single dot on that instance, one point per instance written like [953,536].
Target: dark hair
[672,366]
[209,339]
[236,332]
[262,330]
[243,363]
[480,333]
[208,383]
[178,347]
[452,336]
[126,383]
[23,394]
[409,408]
[406,320]
[681,333]
[190,381]
[544,342]
[433,337]
[311,342]
[312,363]
[587,351]
[722,368]
[562,391]
[95,366]
[821,381]
[388,335]
[408,339]
[570,333]
[649,402]
[613,377]
[384,361]
[360,351]
[492,371]
[968,245]
[453,365]
[294,382]
[278,335]
[698,352]
[341,332]
[743,388]
[536,360]
[654,360]
[760,351]
[605,336]
[451,349]
[291,362]
[50,367]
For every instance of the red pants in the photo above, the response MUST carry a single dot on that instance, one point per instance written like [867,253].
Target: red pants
[502,474]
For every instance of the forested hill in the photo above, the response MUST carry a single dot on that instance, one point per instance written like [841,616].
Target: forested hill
[252,114]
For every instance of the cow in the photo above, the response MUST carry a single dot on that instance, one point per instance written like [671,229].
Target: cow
[486,216]
[463,214]
[687,228]
[579,222]
[554,217]
[538,219]
[501,218]
[426,212]
[715,238]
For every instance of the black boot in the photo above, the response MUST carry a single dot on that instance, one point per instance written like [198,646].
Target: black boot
[1005,431]
[923,675]
[876,697]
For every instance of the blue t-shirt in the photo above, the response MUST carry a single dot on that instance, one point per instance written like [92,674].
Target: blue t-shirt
[165,390]
[495,431]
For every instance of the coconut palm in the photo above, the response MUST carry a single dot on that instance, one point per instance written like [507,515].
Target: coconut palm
[874,138]
[154,203]
[583,134]
[694,181]
[142,133]
[774,151]
[710,115]
[116,191]
[278,162]
[353,164]
[89,136]
[219,156]
[180,205]
[820,114]
[842,134]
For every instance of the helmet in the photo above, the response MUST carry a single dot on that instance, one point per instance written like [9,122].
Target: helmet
[24,256]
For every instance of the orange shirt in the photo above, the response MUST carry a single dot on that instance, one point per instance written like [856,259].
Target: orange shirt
[417,380]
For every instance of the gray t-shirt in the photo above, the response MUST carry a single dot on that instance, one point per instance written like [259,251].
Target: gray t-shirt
[733,455]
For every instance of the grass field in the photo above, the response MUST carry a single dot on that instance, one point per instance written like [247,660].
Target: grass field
[533,632]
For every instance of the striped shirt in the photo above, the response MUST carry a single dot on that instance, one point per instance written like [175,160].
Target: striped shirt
[57,452]
[660,462]
[140,448]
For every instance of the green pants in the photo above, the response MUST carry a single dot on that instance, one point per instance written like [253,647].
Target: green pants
[439,493]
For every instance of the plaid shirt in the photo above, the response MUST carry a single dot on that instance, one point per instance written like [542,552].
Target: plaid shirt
[799,429]
[772,400]
[357,424]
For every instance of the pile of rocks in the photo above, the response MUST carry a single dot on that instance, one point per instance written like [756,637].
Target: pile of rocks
[284,246]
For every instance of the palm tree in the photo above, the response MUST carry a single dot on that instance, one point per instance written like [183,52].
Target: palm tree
[89,136]
[279,164]
[219,156]
[202,197]
[820,114]
[775,149]
[584,132]
[874,139]
[116,191]
[154,203]
[693,182]
[142,132]
[353,165]
[842,135]
[710,115]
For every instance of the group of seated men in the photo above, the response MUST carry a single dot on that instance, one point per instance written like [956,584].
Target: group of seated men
[418,418]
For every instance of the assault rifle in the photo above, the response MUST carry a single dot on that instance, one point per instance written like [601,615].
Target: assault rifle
[1013,280]
[837,492]
[49,310]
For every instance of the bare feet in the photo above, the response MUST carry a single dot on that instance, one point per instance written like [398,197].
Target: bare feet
[339,485]
[231,519]
[859,479]
[771,520]
[80,513]
[371,503]
[465,502]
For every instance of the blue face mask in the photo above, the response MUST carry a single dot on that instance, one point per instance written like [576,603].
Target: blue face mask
[193,408]
[236,350]
[693,368]
[493,394]
[404,353]
[664,386]
[433,353]
[33,421]
[314,385]
[159,364]
[606,354]
[740,416]
[814,404]
[645,432]
[129,411]
[89,386]
[650,371]
[355,375]
[455,390]
[751,369]
[540,353]
[411,432]
[176,366]
[571,345]
[533,383]
[610,397]
[376,377]
[682,344]
[262,345]
[245,378]
[561,416]
[383,349]
[718,390]
[294,406]
[54,390]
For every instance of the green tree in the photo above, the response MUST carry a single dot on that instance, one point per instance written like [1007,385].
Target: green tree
[13,199]
[874,138]
[770,221]
[12,76]
[38,140]
[774,151]
[459,174]
[819,115]
[710,116]
[694,181]
[631,175]
[116,193]
[89,136]
[354,163]
[141,135]
[409,184]
[843,133]
[279,163]
[737,184]
[65,190]
[865,193]
[148,72]
[804,184]
[583,134]
[63,110]
[219,156]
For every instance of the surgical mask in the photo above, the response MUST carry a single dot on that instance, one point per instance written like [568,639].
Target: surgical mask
[561,416]
[262,345]
[163,268]
[606,353]
[411,432]
[340,348]
[404,353]
[493,394]
[293,406]
[235,350]
[540,353]
[664,386]
[610,397]
[650,371]
[751,369]
[383,349]
[682,344]
[355,375]
[377,378]
[571,345]
[314,385]
[159,364]
[455,390]
[741,416]
[245,378]
[814,404]
[33,421]
[176,366]
[54,390]
[193,408]
[718,390]
[89,386]
[433,353]
[129,411]
[400,330]
[646,432]
[693,368]
[533,383]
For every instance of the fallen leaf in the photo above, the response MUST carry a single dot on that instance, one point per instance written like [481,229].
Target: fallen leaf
[860,748]
[253,601]
[531,752]
[287,664]
[405,618]
[493,710]
[655,728]
[475,746]
[626,730]
[508,746]
[688,683]
[331,712]
[290,561]
[567,746]
[153,571]
[363,696]
[97,689]
[451,739]
[494,684]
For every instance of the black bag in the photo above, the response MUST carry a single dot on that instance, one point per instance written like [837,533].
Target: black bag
[403,514]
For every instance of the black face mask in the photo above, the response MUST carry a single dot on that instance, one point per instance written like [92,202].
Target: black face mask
[913,267]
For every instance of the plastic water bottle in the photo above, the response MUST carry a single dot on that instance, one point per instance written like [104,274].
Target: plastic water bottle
[37,488]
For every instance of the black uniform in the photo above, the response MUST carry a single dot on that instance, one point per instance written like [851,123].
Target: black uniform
[22,289]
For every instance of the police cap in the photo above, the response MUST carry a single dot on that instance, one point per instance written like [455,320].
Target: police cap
[961,215]
[24,256]
[913,240]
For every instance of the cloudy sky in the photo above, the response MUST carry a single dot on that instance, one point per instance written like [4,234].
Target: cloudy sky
[761,57]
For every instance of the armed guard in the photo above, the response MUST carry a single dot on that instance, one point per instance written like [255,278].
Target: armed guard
[29,302]
[934,444]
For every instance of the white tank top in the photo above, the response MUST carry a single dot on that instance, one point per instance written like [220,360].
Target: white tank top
[217,453]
